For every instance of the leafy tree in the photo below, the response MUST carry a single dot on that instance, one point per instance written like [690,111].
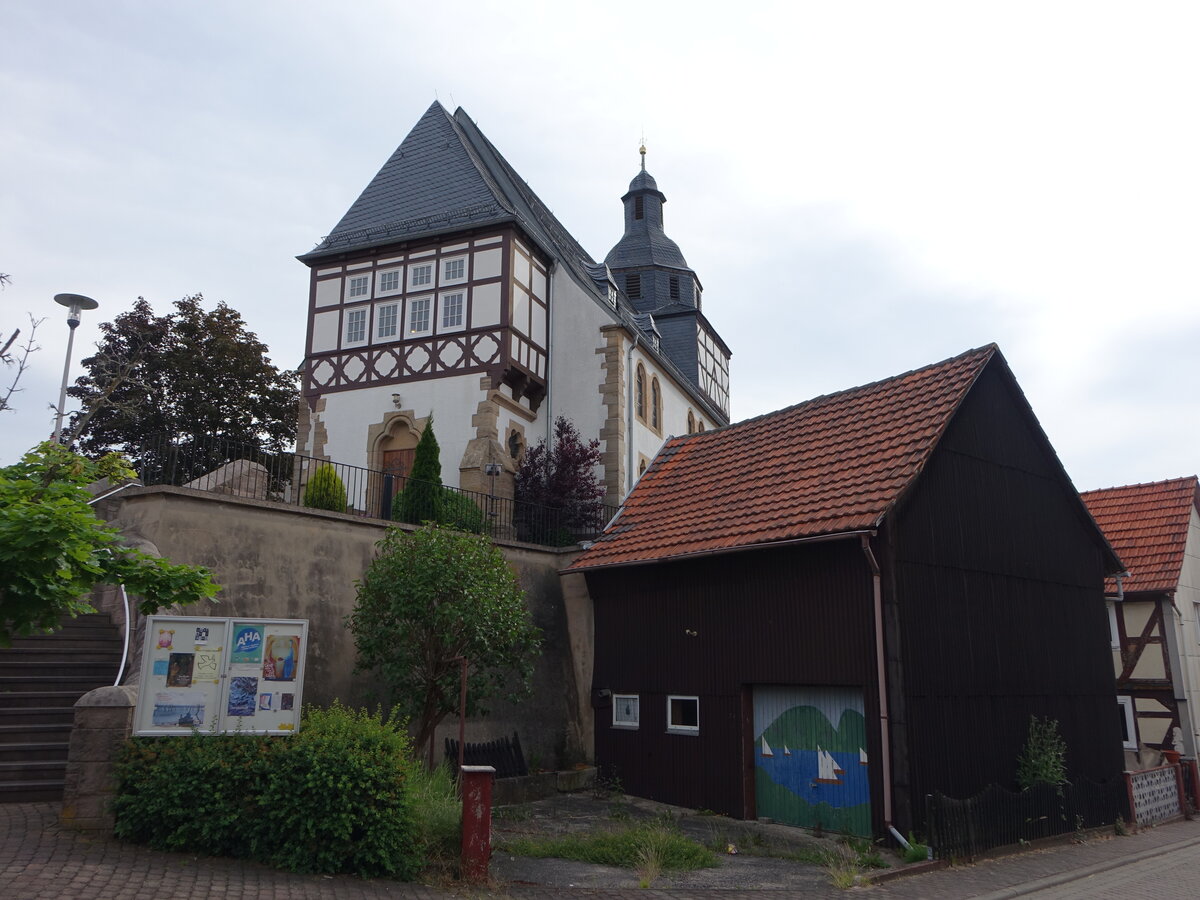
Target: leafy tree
[562,480]
[198,377]
[325,490]
[54,550]
[421,499]
[429,597]
[1044,759]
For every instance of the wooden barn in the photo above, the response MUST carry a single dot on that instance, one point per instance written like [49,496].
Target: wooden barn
[823,614]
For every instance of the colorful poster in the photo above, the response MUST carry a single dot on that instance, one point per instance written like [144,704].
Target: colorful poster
[160,668]
[280,661]
[179,670]
[243,690]
[247,645]
[174,709]
[264,701]
[165,637]
[286,701]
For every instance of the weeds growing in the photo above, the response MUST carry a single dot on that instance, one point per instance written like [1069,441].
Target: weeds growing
[633,847]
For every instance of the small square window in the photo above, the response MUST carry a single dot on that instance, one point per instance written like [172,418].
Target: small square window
[356,326]
[389,281]
[683,714]
[454,269]
[625,711]
[418,315]
[420,275]
[386,320]
[359,286]
[452,310]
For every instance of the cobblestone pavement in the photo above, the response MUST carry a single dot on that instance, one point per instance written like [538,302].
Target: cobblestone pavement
[39,860]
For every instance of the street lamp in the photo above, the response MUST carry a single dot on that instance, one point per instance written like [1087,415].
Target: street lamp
[75,304]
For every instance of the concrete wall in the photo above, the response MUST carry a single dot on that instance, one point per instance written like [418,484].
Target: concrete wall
[289,562]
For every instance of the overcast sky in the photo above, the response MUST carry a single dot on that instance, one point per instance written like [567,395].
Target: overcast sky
[862,188]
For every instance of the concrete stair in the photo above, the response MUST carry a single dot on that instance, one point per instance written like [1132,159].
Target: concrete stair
[41,677]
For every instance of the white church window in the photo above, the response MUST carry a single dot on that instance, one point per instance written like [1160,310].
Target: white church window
[454,269]
[359,286]
[452,310]
[386,320]
[389,281]
[356,326]
[418,315]
[420,275]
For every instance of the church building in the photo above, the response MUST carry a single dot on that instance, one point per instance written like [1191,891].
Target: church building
[450,288]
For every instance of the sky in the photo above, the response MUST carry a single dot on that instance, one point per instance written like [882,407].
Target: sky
[863,188]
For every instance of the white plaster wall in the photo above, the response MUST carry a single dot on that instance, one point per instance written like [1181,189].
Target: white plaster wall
[675,406]
[1187,601]
[453,401]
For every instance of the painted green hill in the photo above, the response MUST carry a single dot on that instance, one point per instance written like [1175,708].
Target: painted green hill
[805,727]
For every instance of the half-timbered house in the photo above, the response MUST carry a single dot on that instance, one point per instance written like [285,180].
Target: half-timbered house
[825,613]
[1154,613]
[449,287]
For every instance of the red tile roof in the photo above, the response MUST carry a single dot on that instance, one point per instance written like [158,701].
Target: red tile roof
[1147,524]
[830,465]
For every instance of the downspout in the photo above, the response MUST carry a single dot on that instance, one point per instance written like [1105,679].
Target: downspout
[885,751]
[549,351]
[629,379]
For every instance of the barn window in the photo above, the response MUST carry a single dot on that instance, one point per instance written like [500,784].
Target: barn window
[625,711]
[683,714]
[1128,731]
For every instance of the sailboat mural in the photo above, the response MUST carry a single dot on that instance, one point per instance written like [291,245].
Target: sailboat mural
[811,778]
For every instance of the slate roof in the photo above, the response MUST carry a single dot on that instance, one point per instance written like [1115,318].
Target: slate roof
[644,242]
[1147,524]
[831,465]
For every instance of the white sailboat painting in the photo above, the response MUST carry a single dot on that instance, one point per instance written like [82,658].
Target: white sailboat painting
[862,756]
[827,768]
[766,748]
[786,751]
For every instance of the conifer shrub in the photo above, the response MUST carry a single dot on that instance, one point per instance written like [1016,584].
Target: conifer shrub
[421,499]
[325,490]
[335,797]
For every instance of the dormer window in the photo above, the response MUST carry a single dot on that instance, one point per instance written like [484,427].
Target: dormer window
[612,294]
[633,285]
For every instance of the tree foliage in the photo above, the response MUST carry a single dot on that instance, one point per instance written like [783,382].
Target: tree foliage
[421,499]
[54,550]
[429,597]
[189,374]
[562,479]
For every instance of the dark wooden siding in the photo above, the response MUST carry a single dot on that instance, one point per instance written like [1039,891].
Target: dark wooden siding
[997,590]
[799,616]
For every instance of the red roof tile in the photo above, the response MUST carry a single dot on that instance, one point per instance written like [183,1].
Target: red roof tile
[830,465]
[1147,524]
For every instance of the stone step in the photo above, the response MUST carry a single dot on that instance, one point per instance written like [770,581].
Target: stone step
[36,715]
[79,684]
[44,770]
[46,651]
[69,666]
[34,750]
[30,791]
[72,641]
[24,734]
[26,699]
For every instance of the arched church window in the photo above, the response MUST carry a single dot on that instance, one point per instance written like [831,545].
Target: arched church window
[639,393]
[655,405]
[691,421]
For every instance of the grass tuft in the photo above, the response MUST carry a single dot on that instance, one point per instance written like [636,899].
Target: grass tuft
[634,847]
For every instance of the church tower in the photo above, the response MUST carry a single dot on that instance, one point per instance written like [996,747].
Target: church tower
[658,282]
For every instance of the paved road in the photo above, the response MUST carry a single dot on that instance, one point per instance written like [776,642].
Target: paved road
[41,861]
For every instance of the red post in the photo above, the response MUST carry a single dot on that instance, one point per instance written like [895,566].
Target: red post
[476,784]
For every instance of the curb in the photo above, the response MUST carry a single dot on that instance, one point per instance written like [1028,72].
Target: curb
[1050,881]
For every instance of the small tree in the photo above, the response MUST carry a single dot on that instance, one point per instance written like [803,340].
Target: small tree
[54,550]
[562,479]
[430,597]
[421,499]
[325,490]
[1044,759]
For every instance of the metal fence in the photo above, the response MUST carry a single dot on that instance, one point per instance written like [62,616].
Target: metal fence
[996,817]
[246,470]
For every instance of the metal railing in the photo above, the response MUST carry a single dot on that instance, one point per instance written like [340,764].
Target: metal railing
[996,817]
[245,470]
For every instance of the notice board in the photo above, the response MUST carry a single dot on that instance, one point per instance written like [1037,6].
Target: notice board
[204,675]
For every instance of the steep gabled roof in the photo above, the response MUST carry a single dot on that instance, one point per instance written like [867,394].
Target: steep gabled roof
[828,466]
[1147,524]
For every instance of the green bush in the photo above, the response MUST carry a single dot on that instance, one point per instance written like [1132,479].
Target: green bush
[336,797]
[451,509]
[325,490]
[1044,759]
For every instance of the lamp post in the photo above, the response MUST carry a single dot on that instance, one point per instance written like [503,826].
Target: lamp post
[75,304]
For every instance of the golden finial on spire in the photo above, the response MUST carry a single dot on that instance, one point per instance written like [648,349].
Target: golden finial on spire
[642,150]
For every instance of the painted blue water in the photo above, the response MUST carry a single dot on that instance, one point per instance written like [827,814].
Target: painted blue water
[797,772]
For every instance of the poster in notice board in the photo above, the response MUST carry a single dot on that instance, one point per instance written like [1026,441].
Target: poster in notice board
[209,676]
